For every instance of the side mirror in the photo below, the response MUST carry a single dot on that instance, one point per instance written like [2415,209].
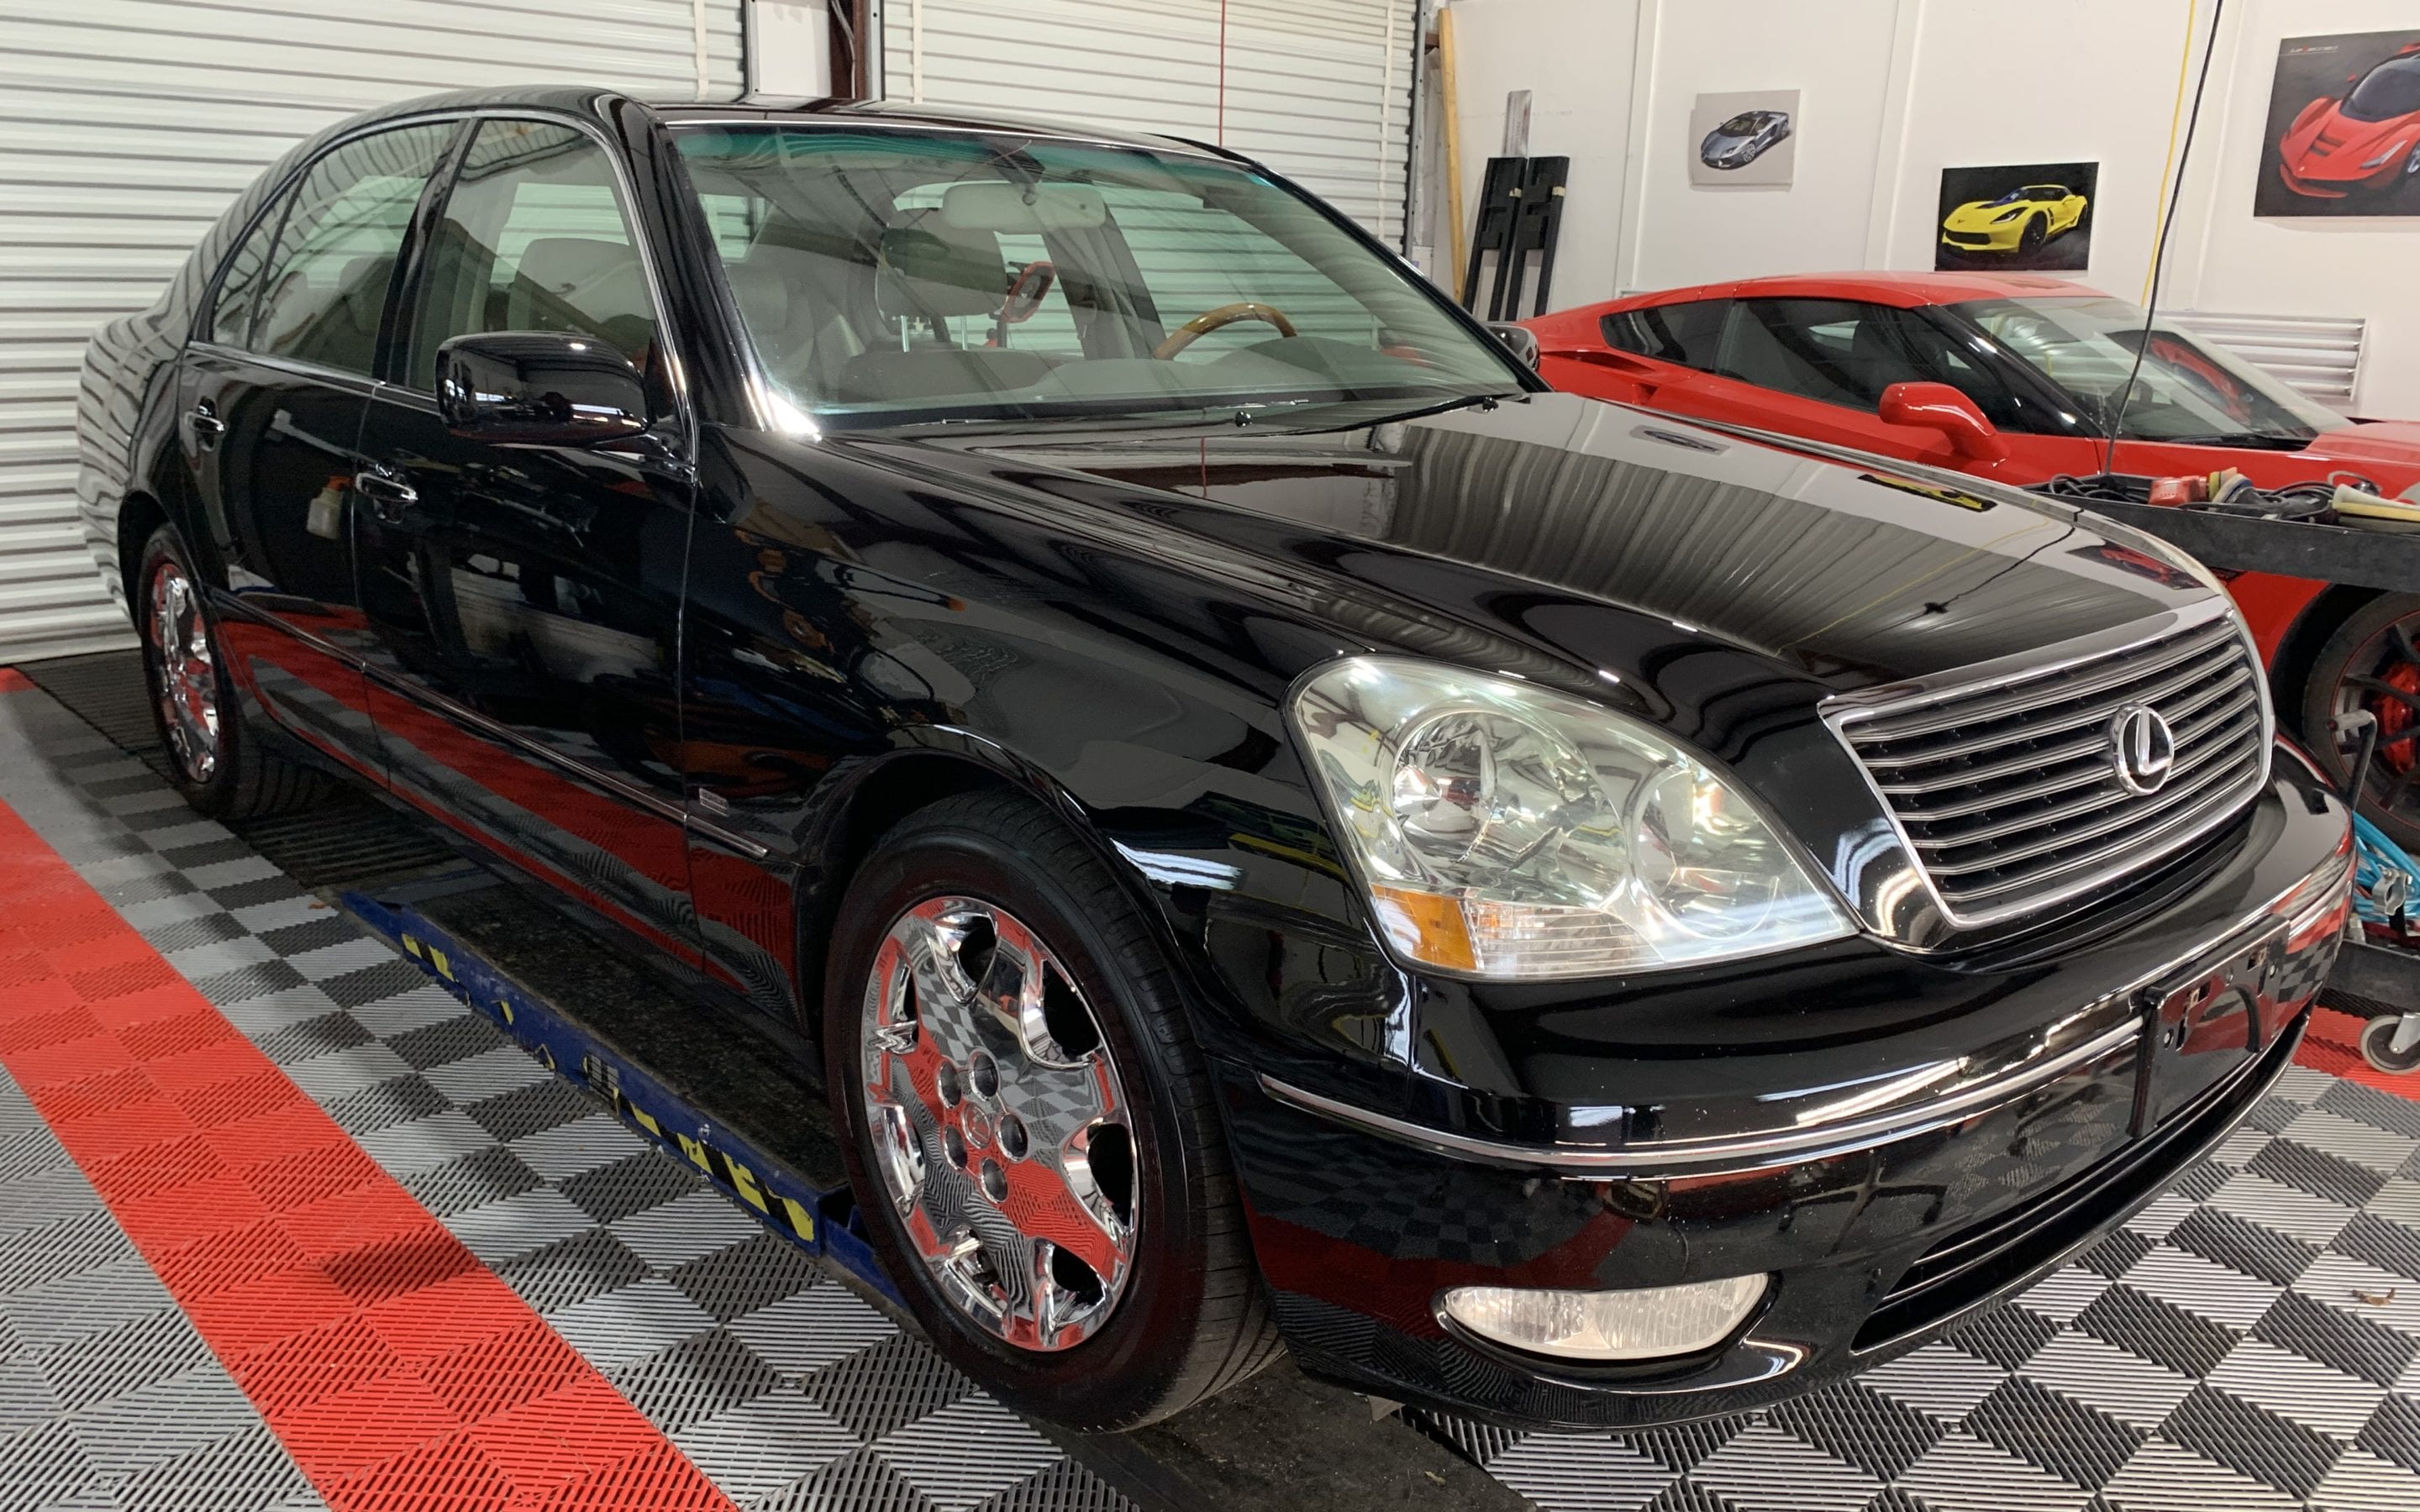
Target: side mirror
[538,387]
[1939,407]
[1521,340]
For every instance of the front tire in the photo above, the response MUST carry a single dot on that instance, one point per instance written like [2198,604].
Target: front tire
[1031,1131]
[2034,236]
[212,758]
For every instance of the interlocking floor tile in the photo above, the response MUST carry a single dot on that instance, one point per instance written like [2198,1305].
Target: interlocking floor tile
[684,1230]
[769,1442]
[1767,1469]
[821,1326]
[965,1453]
[633,1323]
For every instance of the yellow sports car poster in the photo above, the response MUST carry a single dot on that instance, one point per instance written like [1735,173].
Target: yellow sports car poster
[2027,216]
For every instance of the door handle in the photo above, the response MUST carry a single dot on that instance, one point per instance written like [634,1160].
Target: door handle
[390,497]
[206,425]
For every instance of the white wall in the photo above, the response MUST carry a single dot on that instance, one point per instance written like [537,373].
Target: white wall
[1894,91]
[1576,58]
[1837,56]
[2097,84]
[2226,260]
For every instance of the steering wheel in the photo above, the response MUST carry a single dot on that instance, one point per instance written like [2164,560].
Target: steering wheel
[1226,314]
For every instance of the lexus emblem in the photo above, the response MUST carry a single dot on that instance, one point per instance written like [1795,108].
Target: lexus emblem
[2142,748]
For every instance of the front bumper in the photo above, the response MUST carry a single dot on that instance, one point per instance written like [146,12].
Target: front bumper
[1880,1222]
[2330,183]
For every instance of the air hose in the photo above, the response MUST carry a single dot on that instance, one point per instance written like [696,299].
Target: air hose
[2385,880]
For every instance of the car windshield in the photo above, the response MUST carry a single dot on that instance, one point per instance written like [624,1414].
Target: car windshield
[2187,391]
[1741,125]
[891,277]
[2388,90]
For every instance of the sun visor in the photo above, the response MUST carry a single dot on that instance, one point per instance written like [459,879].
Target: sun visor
[1032,209]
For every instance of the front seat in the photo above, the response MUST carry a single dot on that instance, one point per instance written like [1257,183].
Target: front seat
[585,285]
[927,273]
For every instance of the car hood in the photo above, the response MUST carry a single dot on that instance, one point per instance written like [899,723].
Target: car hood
[2330,146]
[1617,537]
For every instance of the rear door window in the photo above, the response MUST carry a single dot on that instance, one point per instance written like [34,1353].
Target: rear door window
[326,289]
[239,286]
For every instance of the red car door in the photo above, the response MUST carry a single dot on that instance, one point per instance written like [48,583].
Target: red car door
[1810,367]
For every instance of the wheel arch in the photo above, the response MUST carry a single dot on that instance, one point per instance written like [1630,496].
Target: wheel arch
[138,515]
[939,763]
[2298,649]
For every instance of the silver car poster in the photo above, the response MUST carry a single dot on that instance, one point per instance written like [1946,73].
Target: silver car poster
[1745,138]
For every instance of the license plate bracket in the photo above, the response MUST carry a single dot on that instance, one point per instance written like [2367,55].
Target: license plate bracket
[2203,1019]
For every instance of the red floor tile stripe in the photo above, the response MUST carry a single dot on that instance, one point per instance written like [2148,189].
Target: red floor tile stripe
[397,1370]
[2333,1045]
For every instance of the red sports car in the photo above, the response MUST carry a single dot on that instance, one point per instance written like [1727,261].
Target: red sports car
[2012,377]
[2369,139]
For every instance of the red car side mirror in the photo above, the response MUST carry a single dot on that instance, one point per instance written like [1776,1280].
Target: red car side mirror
[1939,407]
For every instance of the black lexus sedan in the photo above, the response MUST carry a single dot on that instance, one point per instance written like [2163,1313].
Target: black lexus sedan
[1283,829]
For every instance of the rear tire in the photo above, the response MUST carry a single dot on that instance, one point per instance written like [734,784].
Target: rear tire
[213,759]
[1186,1316]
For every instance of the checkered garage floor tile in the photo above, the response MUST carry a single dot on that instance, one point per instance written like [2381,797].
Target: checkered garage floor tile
[2249,1341]
[774,1379]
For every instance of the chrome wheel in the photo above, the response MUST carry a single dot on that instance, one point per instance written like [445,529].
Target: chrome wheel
[186,680]
[999,1123]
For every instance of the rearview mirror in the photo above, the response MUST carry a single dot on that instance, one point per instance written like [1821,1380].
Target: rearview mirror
[1940,407]
[1025,210]
[1520,340]
[538,387]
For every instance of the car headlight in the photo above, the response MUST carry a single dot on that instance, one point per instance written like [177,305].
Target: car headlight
[1509,833]
[2006,216]
[2386,157]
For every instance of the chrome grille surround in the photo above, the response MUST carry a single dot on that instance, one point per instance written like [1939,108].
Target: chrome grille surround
[1999,780]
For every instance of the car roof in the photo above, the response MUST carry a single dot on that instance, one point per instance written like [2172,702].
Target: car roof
[1905,289]
[600,105]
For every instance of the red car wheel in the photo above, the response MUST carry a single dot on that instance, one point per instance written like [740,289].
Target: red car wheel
[2373,662]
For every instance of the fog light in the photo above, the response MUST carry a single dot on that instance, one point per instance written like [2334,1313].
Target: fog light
[1644,1324]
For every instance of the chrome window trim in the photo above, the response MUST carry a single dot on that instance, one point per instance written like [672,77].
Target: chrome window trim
[672,121]
[2033,1066]
[1841,711]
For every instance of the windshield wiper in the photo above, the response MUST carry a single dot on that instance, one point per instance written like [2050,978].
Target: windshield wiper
[1460,401]
[2251,441]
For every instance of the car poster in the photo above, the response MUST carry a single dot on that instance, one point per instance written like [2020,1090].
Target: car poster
[2034,217]
[2343,136]
[1745,139]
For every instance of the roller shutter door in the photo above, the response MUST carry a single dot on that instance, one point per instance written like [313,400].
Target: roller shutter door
[1320,90]
[126,125]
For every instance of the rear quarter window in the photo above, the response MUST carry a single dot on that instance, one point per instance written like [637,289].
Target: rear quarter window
[1689,334]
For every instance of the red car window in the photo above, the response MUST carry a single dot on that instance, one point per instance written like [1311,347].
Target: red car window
[1689,334]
